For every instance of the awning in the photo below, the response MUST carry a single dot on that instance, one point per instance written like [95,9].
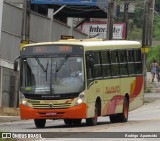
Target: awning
[77,8]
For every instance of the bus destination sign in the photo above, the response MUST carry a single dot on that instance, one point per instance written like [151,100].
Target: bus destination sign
[52,49]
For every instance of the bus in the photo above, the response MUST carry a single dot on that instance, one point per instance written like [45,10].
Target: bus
[80,79]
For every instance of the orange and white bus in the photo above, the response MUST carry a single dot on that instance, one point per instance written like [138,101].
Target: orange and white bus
[80,79]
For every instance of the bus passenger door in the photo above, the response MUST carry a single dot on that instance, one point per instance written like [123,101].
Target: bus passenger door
[94,78]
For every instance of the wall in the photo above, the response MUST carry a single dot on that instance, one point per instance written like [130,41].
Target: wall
[1,9]
[42,29]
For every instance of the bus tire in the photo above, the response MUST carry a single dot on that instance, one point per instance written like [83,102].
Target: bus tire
[72,121]
[40,123]
[93,121]
[122,117]
[77,121]
[114,118]
[68,121]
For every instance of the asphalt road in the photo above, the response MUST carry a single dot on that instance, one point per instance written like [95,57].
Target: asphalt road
[143,119]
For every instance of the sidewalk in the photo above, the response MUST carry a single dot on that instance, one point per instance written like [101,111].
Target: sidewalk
[9,118]
[9,114]
[152,93]
[152,87]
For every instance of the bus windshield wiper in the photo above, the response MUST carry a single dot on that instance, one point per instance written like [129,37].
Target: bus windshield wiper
[65,59]
[42,67]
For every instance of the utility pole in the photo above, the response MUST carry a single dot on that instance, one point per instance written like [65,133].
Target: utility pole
[126,17]
[25,34]
[1,11]
[147,33]
[110,19]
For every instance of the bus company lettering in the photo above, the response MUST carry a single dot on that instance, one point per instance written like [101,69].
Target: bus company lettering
[112,89]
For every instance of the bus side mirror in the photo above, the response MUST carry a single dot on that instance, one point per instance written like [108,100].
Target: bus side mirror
[16,64]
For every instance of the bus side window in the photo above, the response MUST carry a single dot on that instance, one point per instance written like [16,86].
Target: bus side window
[97,65]
[123,62]
[130,59]
[89,65]
[106,63]
[138,61]
[114,63]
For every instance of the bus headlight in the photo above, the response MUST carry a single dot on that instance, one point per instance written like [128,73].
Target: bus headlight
[22,99]
[79,101]
[80,98]
[24,102]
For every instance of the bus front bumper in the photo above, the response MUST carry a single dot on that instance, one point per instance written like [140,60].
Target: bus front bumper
[74,112]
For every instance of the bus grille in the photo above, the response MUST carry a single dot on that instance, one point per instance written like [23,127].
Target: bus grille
[52,106]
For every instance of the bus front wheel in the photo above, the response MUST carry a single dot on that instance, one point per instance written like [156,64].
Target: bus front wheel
[72,121]
[93,121]
[67,121]
[40,123]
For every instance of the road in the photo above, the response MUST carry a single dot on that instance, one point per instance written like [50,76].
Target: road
[143,119]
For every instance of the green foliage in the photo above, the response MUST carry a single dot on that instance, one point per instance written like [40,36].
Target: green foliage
[136,26]
[157,5]
[135,34]
[154,53]
[156,28]
[137,17]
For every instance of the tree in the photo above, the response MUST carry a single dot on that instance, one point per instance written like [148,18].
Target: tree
[136,19]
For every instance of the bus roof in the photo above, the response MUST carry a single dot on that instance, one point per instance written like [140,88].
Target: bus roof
[94,44]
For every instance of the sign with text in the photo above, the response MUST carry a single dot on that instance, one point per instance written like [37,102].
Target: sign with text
[66,2]
[65,37]
[99,30]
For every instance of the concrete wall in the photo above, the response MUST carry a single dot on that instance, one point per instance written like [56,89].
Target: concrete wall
[42,29]
[1,9]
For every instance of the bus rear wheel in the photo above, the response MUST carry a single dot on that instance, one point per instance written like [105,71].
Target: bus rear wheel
[122,117]
[40,123]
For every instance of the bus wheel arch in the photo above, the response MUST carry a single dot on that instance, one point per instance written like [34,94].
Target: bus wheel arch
[127,97]
[124,115]
[93,121]
[98,105]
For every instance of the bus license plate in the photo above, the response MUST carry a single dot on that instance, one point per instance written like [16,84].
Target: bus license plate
[51,114]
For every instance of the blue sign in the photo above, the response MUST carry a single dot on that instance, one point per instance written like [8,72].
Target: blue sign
[66,2]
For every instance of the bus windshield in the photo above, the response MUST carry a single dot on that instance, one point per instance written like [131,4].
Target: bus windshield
[61,75]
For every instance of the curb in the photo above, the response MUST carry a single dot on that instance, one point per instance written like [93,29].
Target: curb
[9,111]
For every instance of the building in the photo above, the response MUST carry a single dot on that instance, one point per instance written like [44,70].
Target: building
[42,28]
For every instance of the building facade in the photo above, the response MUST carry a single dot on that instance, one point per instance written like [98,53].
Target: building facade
[42,29]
